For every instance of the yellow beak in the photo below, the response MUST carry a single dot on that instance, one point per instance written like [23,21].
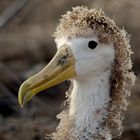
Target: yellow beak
[58,70]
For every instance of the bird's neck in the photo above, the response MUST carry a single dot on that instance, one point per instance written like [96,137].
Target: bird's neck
[88,106]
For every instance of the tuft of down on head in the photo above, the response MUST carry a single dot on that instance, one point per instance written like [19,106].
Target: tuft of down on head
[84,22]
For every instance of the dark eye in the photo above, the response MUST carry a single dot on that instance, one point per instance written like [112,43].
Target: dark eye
[92,44]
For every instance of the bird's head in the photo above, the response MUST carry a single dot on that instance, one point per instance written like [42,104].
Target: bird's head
[89,55]
[80,52]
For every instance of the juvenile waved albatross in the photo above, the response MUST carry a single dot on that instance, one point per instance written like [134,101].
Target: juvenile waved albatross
[95,55]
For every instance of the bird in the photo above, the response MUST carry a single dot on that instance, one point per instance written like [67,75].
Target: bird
[95,55]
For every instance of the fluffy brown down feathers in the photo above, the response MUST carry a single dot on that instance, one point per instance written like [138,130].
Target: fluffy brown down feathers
[84,22]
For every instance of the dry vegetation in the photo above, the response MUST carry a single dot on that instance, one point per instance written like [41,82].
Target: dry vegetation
[26,45]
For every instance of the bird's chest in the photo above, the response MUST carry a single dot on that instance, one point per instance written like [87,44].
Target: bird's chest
[88,107]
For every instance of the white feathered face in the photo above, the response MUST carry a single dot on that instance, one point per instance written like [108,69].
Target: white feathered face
[91,56]
[77,57]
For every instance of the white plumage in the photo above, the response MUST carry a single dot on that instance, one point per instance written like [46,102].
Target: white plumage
[89,99]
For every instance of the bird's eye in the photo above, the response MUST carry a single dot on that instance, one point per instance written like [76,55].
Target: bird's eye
[92,44]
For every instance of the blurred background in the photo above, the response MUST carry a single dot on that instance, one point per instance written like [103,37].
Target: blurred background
[27,45]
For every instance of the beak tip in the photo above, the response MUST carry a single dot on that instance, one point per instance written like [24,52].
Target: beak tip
[22,94]
[21,105]
[20,102]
